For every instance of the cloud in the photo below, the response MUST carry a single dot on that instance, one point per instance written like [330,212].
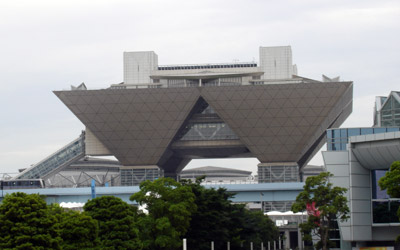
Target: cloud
[49,45]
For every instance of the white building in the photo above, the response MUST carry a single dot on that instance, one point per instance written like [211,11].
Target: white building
[141,68]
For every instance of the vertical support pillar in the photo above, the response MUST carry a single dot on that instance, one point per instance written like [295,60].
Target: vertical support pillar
[287,239]
[251,245]
[184,244]
[299,238]
[228,246]
[93,189]
[212,245]
[280,247]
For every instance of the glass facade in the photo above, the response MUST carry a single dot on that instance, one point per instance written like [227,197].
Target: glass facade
[390,113]
[268,174]
[205,125]
[133,177]
[384,208]
[385,211]
[208,131]
[61,157]
[338,138]
[281,206]
[377,192]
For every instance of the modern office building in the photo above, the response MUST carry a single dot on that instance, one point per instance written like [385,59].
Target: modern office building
[164,116]
[358,158]
[387,110]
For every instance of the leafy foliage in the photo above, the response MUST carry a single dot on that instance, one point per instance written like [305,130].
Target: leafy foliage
[391,183]
[218,220]
[170,206]
[258,228]
[116,223]
[391,180]
[323,203]
[210,221]
[25,223]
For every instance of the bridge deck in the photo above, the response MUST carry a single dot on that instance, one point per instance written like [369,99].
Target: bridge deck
[244,192]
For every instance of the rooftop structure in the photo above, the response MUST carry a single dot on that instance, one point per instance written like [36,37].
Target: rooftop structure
[164,116]
[358,158]
[358,168]
[141,69]
[217,174]
[387,110]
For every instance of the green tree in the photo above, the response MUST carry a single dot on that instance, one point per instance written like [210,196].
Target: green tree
[170,206]
[77,230]
[391,182]
[218,220]
[210,221]
[258,228]
[115,217]
[25,223]
[323,203]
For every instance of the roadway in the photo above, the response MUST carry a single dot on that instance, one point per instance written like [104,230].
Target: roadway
[244,192]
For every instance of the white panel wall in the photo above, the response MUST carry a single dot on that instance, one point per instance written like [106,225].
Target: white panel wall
[348,173]
[276,62]
[360,193]
[94,146]
[138,66]
[337,162]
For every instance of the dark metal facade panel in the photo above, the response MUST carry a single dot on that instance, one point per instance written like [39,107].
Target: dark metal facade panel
[276,122]
[138,125]
[280,122]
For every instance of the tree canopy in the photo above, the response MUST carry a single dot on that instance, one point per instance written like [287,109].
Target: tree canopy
[324,203]
[25,223]
[391,183]
[117,229]
[170,206]
[77,230]
[217,219]
[391,180]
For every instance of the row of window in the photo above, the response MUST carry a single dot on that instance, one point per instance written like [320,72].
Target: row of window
[208,131]
[216,66]
[133,177]
[337,139]
[268,174]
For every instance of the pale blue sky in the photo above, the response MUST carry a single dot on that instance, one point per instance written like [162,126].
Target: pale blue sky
[49,45]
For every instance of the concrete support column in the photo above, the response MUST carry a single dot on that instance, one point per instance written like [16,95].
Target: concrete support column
[299,238]
[287,240]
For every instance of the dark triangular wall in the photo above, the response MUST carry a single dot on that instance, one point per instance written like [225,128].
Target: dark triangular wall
[135,125]
[279,122]
[276,122]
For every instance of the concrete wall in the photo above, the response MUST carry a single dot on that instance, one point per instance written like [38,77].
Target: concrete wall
[276,62]
[138,66]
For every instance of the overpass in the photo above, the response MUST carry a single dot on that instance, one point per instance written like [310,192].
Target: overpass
[244,192]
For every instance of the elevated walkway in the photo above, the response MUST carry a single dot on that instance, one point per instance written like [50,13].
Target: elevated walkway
[265,192]
[56,161]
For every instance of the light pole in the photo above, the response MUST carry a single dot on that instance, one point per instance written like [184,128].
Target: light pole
[262,203]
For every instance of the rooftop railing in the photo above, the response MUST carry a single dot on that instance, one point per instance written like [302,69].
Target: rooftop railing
[208,66]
